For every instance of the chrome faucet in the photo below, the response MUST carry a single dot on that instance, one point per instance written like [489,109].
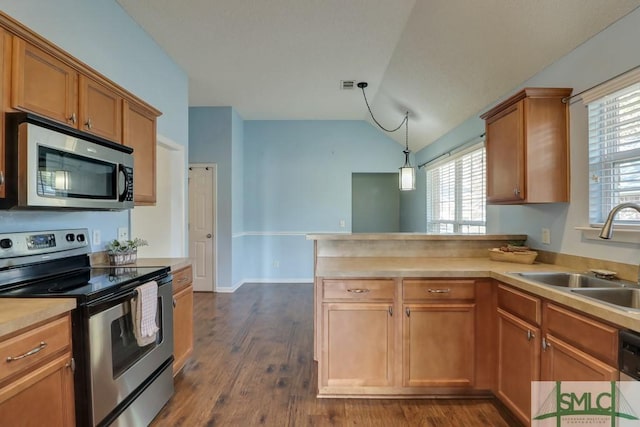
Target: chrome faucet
[607,228]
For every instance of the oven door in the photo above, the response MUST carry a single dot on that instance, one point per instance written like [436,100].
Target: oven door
[69,172]
[117,365]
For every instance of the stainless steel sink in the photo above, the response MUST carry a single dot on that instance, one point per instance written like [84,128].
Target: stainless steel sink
[572,280]
[621,297]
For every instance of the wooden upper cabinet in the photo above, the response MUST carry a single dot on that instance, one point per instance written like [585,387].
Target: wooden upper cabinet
[527,140]
[100,110]
[5,81]
[43,84]
[139,133]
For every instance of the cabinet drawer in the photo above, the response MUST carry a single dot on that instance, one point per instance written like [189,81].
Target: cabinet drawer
[588,335]
[55,335]
[522,305]
[182,278]
[430,289]
[359,289]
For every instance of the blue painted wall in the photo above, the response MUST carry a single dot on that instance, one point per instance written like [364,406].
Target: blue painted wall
[101,34]
[297,180]
[277,182]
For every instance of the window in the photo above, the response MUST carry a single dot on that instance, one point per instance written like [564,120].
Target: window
[456,193]
[614,154]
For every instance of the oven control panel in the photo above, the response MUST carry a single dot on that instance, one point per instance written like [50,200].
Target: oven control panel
[41,241]
[18,248]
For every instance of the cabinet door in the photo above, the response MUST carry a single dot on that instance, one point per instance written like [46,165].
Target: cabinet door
[48,390]
[358,344]
[5,80]
[518,363]
[563,362]
[505,156]
[43,84]
[182,327]
[438,345]
[140,134]
[100,110]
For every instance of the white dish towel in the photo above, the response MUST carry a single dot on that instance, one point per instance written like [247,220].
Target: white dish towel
[144,307]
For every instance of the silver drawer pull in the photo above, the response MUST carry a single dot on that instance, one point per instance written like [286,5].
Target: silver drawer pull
[28,353]
[358,290]
[438,291]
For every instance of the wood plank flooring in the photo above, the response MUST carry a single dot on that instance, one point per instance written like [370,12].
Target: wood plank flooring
[253,366]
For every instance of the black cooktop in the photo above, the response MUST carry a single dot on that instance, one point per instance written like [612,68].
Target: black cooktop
[86,284]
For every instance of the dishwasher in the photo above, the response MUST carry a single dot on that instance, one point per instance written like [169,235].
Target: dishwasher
[629,356]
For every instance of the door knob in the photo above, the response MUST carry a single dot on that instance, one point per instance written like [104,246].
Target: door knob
[209,236]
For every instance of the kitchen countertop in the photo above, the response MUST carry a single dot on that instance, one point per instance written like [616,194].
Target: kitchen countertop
[369,267]
[414,236]
[19,313]
[174,263]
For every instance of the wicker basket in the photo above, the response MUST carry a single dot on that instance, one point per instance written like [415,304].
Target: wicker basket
[122,258]
[521,257]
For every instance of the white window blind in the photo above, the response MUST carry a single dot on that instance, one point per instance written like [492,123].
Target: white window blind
[614,154]
[456,194]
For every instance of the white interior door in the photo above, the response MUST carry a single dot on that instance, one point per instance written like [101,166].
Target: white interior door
[202,179]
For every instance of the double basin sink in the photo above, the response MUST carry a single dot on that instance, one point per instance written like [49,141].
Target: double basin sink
[617,293]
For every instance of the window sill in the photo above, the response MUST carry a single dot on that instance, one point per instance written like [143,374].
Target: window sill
[624,235]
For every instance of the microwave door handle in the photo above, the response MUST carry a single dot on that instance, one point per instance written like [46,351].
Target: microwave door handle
[124,174]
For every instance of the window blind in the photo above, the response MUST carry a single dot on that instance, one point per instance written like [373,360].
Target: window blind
[614,154]
[456,193]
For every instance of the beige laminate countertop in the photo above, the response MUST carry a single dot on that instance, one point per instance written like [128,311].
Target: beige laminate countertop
[19,313]
[370,267]
[414,236]
[174,263]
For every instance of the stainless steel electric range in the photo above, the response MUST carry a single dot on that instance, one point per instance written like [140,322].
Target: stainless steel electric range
[117,382]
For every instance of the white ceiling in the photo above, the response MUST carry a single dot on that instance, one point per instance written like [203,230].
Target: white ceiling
[442,60]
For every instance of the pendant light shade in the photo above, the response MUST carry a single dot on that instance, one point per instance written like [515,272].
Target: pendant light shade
[407,174]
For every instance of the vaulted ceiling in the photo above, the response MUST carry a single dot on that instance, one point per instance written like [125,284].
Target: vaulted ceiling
[442,60]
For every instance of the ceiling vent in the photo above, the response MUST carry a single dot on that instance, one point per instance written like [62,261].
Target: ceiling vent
[347,84]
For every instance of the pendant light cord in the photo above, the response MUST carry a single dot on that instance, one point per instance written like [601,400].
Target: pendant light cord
[405,120]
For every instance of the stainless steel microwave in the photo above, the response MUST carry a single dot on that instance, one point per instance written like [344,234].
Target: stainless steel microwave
[52,166]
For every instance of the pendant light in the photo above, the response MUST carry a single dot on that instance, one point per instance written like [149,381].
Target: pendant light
[407,174]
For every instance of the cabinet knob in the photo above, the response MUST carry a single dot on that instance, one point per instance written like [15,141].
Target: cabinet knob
[175,303]
[73,119]
[88,124]
[516,191]
[1,177]
[408,311]
[530,335]
[545,344]
[209,236]
[390,311]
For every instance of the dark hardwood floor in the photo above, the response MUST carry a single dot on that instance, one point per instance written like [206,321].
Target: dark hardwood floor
[253,366]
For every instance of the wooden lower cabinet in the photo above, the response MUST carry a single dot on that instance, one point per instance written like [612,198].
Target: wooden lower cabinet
[49,388]
[438,345]
[565,346]
[357,345]
[36,387]
[182,318]
[563,362]
[518,363]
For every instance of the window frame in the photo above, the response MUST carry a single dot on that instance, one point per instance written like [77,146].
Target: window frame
[458,223]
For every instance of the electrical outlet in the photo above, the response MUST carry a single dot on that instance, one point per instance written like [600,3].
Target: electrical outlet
[546,236]
[96,237]
[276,264]
[123,233]
[343,223]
